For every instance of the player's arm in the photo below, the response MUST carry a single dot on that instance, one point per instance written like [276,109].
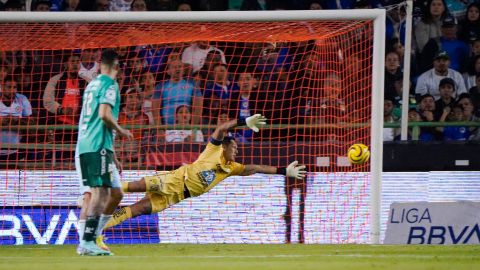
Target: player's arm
[49,101]
[254,122]
[253,169]
[105,114]
[292,170]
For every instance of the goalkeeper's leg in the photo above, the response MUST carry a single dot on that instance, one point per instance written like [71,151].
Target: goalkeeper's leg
[136,186]
[142,207]
[154,201]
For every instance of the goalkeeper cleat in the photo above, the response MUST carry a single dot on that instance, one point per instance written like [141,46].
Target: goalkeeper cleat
[90,249]
[101,244]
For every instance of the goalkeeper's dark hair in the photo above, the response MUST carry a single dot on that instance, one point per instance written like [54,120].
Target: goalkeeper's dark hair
[227,140]
[108,57]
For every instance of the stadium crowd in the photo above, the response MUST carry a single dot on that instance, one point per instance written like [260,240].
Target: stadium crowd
[202,83]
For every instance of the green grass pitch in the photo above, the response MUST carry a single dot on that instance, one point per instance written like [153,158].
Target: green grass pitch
[250,257]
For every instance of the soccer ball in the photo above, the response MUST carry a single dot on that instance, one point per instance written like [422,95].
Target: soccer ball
[358,153]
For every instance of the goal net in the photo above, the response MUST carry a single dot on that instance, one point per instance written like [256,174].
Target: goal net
[311,77]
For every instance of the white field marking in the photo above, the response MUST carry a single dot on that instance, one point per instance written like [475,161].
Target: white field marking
[413,256]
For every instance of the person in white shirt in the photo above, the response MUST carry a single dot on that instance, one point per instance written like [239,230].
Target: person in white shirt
[429,81]
[120,5]
[196,53]
[88,64]
[15,109]
[183,117]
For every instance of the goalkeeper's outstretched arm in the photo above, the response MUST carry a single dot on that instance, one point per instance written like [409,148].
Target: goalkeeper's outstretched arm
[292,170]
[254,122]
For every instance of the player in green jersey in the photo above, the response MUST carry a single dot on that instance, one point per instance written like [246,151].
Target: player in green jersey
[98,165]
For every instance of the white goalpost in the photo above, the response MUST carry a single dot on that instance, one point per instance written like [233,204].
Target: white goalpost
[377,61]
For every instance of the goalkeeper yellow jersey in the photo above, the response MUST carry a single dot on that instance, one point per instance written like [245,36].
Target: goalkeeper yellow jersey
[208,170]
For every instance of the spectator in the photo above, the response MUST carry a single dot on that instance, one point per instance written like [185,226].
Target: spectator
[147,86]
[70,5]
[330,107]
[429,26]
[475,94]
[389,134]
[41,5]
[64,91]
[466,102]
[3,73]
[24,82]
[164,5]
[447,92]
[174,92]
[120,5]
[89,66]
[136,65]
[413,116]
[427,108]
[456,49]
[472,70]
[196,54]
[315,5]
[132,114]
[205,74]
[139,5]
[454,133]
[102,5]
[426,111]
[183,6]
[395,24]
[396,46]
[14,110]
[469,28]
[156,55]
[218,93]
[273,57]
[183,117]
[475,46]
[457,7]
[428,82]
[392,72]
[244,103]
[13,5]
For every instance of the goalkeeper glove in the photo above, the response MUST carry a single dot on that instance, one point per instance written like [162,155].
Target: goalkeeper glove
[293,170]
[256,121]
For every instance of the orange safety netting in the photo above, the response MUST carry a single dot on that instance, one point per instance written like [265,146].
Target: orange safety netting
[311,79]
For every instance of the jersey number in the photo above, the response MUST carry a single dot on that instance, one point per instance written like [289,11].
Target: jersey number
[87,108]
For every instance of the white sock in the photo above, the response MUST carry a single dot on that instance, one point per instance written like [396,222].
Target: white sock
[81,228]
[101,223]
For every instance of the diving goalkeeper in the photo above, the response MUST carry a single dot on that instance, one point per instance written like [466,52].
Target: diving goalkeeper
[216,163]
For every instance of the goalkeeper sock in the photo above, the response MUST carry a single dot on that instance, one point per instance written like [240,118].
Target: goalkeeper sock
[119,217]
[101,223]
[81,228]
[90,228]
[125,186]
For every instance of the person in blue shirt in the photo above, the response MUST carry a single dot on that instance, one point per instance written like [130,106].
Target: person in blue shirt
[218,93]
[454,133]
[174,92]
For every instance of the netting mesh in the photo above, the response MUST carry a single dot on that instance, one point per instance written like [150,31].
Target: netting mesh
[178,80]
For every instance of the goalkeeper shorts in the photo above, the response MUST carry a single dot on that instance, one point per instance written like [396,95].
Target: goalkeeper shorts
[164,189]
